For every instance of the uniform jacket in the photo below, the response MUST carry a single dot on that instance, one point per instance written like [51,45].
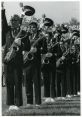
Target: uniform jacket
[17,63]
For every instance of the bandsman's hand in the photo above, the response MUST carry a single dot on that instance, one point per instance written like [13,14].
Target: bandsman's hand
[33,49]
[18,41]
[63,57]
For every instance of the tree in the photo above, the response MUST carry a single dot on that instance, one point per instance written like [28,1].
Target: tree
[74,21]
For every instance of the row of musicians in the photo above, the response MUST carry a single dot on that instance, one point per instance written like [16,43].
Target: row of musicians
[60,76]
[57,81]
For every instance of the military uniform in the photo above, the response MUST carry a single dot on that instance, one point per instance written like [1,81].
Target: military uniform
[49,78]
[73,74]
[77,47]
[49,70]
[68,80]
[13,70]
[60,74]
[33,72]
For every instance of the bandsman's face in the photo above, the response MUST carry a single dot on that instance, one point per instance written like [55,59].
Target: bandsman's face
[15,23]
[33,29]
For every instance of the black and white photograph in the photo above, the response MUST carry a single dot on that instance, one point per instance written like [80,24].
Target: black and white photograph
[40,58]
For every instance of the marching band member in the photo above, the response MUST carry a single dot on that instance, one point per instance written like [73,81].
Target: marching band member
[60,70]
[49,64]
[73,72]
[33,68]
[13,67]
[26,46]
[74,56]
[77,47]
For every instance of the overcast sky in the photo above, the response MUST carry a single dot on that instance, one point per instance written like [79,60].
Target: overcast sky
[58,11]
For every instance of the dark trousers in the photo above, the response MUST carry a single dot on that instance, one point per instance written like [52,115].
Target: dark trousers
[14,86]
[60,83]
[49,83]
[68,80]
[78,77]
[33,75]
[73,75]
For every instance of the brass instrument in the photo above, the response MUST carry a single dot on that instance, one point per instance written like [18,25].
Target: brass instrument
[60,60]
[46,58]
[48,55]
[78,58]
[11,54]
[29,56]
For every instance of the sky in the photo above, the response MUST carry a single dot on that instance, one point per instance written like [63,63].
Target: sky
[58,11]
